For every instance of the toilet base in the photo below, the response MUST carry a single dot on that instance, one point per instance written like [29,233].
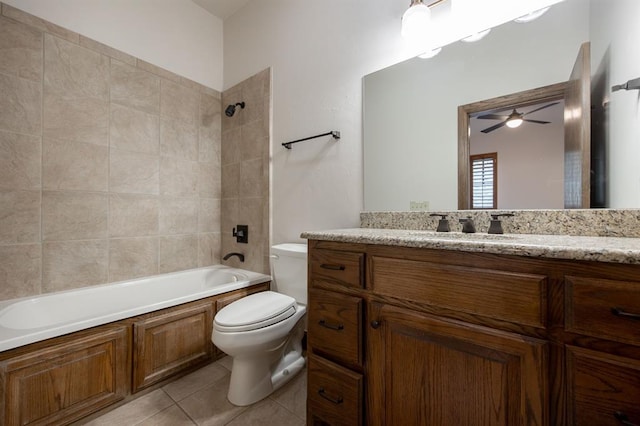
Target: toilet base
[256,376]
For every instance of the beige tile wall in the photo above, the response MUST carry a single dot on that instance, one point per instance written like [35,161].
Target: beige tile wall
[110,167]
[245,170]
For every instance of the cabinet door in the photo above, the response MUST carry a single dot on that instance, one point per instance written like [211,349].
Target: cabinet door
[603,389]
[66,381]
[427,371]
[168,343]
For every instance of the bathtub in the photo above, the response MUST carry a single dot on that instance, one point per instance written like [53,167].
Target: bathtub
[31,319]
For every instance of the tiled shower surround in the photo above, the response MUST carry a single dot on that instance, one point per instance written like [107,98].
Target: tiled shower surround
[110,167]
[245,171]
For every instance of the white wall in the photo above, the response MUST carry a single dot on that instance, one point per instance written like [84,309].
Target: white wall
[319,51]
[530,161]
[411,121]
[615,36]
[177,35]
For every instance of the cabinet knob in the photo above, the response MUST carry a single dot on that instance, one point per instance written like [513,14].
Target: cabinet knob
[375,324]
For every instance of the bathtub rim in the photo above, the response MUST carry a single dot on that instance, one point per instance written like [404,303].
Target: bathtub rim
[14,338]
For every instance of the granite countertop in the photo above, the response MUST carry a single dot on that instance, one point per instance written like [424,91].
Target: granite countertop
[601,249]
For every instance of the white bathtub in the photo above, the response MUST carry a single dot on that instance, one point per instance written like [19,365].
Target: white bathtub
[31,319]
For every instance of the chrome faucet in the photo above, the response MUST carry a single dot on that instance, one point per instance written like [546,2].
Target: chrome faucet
[238,255]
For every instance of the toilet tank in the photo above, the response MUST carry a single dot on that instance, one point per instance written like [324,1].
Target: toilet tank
[289,263]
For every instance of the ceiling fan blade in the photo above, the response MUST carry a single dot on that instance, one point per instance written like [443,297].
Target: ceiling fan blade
[492,117]
[536,121]
[542,107]
[492,128]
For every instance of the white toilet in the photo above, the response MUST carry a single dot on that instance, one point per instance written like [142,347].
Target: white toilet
[263,332]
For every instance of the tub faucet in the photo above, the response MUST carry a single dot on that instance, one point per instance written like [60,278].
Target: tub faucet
[239,255]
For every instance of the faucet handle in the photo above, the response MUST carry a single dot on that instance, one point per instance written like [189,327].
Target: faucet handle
[443,223]
[496,216]
[496,226]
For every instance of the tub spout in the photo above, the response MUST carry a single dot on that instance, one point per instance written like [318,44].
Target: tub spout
[239,255]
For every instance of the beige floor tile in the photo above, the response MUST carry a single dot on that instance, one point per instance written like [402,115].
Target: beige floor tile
[136,411]
[172,416]
[210,407]
[293,395]
[195,381]
[267,412]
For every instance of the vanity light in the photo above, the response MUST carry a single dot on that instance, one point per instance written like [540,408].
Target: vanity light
[476,36]
[415,21]
[430,53]
[531,16]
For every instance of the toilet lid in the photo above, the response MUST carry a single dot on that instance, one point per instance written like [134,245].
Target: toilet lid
[255,311]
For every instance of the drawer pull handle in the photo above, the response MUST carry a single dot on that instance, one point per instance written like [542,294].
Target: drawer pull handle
[619,312]
[332,267]
[336,327]
[323,394]
[375,324]
[623,419]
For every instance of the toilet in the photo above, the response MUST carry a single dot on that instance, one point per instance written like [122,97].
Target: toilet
[263,332]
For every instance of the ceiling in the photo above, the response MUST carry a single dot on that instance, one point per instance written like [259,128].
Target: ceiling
[221,8]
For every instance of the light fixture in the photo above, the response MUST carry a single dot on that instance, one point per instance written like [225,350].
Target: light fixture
[477,36]
[415,21]
[430,53]
[514,120]
[531,16]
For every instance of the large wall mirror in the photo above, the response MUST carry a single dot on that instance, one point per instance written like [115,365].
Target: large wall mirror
[411,108]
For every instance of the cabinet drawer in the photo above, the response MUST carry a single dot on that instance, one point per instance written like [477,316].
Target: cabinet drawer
[590,306]
[510,296]
[334,394]
[335,325]
[337,267]
[603,389]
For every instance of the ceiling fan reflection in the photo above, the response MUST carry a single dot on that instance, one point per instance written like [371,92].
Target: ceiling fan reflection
[514,119]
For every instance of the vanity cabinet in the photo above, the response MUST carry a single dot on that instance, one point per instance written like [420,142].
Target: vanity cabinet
[417,336]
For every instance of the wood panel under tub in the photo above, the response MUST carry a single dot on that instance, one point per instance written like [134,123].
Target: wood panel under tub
[64,379]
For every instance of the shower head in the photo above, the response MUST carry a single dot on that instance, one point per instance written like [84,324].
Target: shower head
[231,109]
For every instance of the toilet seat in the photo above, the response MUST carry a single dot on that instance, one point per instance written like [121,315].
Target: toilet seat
[255,311]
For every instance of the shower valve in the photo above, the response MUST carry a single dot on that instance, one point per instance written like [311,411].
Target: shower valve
[241,232]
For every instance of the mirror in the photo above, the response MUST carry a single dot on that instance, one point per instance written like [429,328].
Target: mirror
[410,109]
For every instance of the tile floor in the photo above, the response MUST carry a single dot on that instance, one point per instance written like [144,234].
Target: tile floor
[200,398]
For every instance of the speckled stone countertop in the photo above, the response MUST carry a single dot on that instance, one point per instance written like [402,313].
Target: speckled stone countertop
[601,249]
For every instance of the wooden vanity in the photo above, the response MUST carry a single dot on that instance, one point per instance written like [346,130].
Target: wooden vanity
[430,336]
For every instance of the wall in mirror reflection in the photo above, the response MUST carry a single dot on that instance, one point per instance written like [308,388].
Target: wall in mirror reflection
[410,109]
